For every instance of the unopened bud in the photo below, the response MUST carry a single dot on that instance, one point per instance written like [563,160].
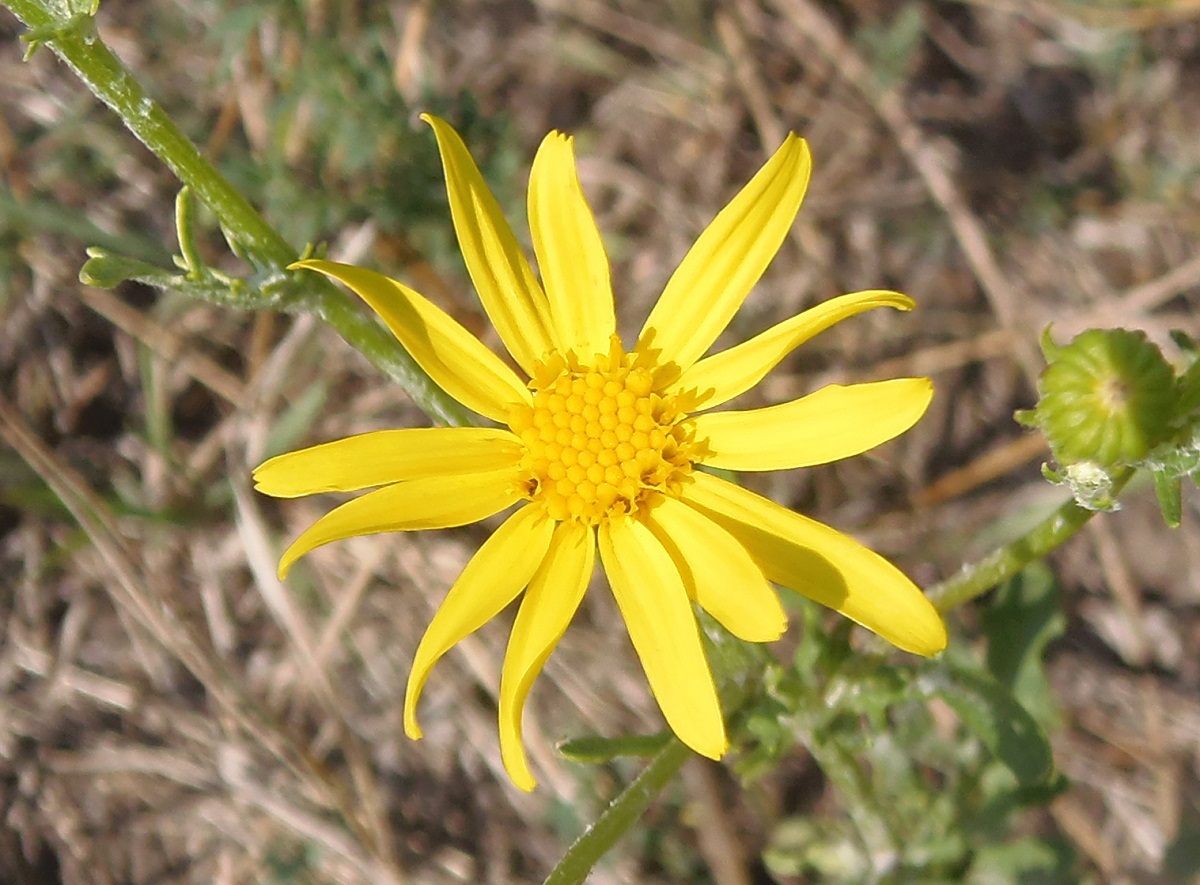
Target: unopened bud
[1108,398]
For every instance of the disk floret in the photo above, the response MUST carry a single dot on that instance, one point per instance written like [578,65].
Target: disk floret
[599,441]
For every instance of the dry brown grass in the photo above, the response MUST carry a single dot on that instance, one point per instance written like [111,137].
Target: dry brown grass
[171,713]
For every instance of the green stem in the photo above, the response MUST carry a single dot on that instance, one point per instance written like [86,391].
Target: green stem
[75,41]
[978,577]
[974,580]
[619,816]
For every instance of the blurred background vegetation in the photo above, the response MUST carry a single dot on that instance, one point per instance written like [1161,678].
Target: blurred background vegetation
[1008,163]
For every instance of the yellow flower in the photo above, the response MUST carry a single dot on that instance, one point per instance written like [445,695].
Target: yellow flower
[599,447]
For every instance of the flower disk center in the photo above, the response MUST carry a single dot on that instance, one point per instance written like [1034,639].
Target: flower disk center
[599,443]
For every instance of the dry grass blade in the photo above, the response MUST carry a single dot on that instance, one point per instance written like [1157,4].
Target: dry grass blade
[262,558]
[165,343]
[171,714]
[1006,299]
[130,594]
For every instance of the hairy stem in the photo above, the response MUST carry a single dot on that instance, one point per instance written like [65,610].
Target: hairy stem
[976,578]
[621,814]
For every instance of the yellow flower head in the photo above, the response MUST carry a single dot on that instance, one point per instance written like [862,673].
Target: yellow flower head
[600,446]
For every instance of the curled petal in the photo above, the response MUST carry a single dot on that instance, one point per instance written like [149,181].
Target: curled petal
[833,423]
[433,502]
[382,457]
[570,253]
[823,564]
[547,608]
[499,269]
[659,617]
[724,579]
[498,571]
[727,259]
[719,378]
[456,360]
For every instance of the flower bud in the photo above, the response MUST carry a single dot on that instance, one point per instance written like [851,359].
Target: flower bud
[1108,397]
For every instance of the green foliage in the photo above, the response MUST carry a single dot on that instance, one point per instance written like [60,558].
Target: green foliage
[1182,861]
[1110,402]
[934,761]
[292,863]
[1108,397]
[344,144]
[995,716]
[593,749]
[1029,861]
[1024,616]
[891,46]
[344,148]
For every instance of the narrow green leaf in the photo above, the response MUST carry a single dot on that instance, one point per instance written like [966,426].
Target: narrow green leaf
[1026,859]
[1188,386]
[185,230]
[994,715]
[105,270]
[594,749]
[1024,616]
[1169,489]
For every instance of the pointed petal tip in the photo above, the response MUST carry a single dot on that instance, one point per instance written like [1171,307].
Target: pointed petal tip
[799,145]
[286,562]
[308,264]
[411,728]
[512,748]
[519,774]
[923,631]
[711,748]
[884,298]
[934,639]
[920,630]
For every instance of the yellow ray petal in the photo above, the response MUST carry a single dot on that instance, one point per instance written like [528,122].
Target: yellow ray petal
[456,360]
[659,617]
[382,457]
[832,423]
[722,376]
[553,596]
[823,564]
[433,502]
[726,581]
[727,259]
[570,253]
[498,571]
[503,278]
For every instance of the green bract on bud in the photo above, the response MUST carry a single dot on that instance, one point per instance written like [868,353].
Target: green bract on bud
[1107,398]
